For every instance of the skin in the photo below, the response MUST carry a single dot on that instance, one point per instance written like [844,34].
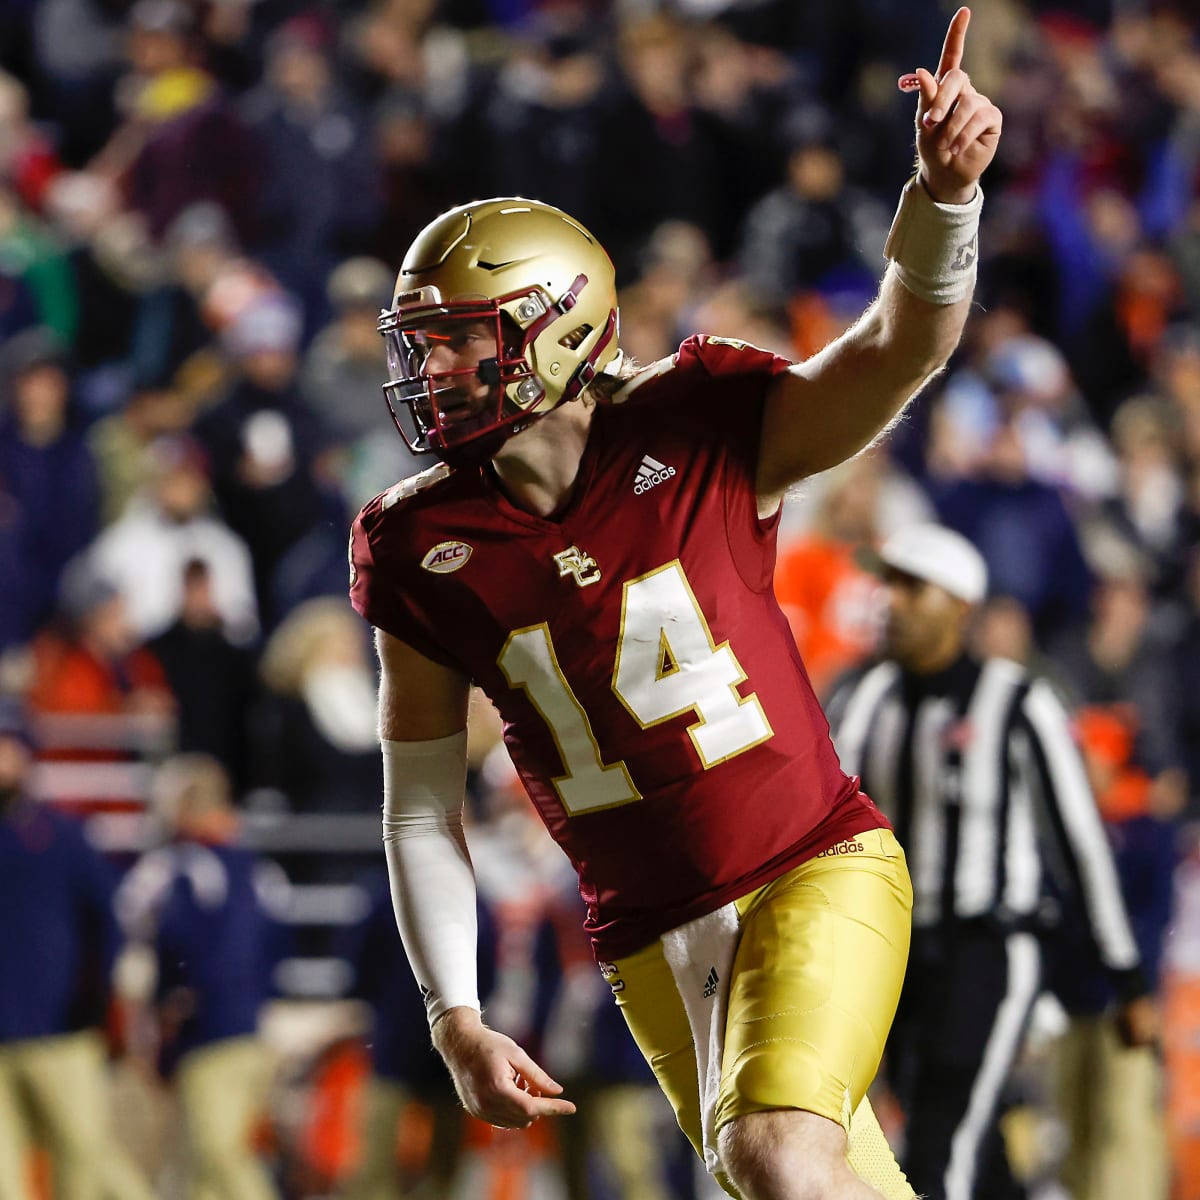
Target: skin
[465,346]
[926,626]
[817,414]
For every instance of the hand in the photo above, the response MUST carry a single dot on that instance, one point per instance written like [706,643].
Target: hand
[496,1080]
[1138,1022]
[957,128]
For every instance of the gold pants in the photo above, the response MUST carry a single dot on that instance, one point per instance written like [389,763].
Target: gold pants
[817,972]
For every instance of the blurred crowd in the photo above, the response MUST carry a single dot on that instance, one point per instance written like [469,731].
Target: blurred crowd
[202,207]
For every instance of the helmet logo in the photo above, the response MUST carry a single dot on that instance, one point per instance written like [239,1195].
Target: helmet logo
[446,557]
[573,561]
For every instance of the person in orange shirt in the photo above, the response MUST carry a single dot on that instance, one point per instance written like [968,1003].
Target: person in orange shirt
[831,602]
[93,664]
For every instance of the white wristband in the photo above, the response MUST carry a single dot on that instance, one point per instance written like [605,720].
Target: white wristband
[429,868]
[935,246]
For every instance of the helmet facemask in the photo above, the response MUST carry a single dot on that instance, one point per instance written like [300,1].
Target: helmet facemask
[462,412]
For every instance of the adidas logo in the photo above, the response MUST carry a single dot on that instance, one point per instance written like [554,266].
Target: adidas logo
[650,474]
[710,984]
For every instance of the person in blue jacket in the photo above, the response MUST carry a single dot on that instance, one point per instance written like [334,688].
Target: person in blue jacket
[58,944]
[213,913]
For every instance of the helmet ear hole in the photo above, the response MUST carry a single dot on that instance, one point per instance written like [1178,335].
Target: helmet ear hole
[574,339]
[511,335]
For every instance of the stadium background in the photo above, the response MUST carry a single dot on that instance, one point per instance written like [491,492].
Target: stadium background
[201,208]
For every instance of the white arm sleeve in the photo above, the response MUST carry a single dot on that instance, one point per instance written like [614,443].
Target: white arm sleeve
[432,881]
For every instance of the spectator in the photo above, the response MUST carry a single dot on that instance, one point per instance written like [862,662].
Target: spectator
[1110,1095]
[814,223]
[676,271]
[211,676]
[169,524]
[45,464]
[95,665]
[182,141]
[830,600]
[316,725]
[76,58]
[654,133]
[341,375]
[56,959]
[212,913]
[179,315]
[541,120]
[27,157]
[1150,507]
[31,250]
[1121,659]
[106,252]
[264,446]
[309,131]
[1021,525]
[122,443]
[415,184]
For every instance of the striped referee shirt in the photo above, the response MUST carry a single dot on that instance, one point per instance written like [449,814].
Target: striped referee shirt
[976,768]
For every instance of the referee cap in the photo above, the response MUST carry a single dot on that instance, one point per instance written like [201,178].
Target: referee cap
[939,556]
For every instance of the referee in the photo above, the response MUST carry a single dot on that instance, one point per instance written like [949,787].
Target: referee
[974,764]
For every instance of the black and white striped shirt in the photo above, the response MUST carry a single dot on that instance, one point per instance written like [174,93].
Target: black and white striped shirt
[977,770]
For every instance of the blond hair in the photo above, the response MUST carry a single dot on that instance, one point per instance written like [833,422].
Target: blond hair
[301,639]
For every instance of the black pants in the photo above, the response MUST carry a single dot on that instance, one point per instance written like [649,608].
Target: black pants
[967,997]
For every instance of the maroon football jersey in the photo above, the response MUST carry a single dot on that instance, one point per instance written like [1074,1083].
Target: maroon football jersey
[654,702]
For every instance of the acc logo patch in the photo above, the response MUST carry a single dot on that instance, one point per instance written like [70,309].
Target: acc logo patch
[446,557]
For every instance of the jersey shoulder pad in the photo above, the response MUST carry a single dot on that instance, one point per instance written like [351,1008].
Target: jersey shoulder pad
[722,356]
[414,485]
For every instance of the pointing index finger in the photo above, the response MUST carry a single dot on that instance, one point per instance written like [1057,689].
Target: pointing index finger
[956,40]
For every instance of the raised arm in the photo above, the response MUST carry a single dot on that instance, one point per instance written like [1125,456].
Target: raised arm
[826,409]
[423,731]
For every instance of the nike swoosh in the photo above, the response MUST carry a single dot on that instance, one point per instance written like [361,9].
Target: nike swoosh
[490,266]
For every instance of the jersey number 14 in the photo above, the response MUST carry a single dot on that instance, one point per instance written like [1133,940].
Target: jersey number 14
[667,664]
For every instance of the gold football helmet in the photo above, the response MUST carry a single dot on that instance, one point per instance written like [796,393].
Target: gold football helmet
[520,279]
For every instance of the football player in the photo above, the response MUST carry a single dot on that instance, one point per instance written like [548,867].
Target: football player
[595,549]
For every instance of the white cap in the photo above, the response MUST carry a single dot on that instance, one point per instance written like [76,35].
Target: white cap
[939,556]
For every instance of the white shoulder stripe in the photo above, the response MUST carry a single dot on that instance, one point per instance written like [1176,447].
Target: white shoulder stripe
[414,484]
[653,371]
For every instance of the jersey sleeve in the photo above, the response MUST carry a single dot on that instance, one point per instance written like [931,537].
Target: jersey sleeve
[377,587]
[732,408]
[729,357]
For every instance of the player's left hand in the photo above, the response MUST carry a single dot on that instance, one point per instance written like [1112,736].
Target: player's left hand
[957,128]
